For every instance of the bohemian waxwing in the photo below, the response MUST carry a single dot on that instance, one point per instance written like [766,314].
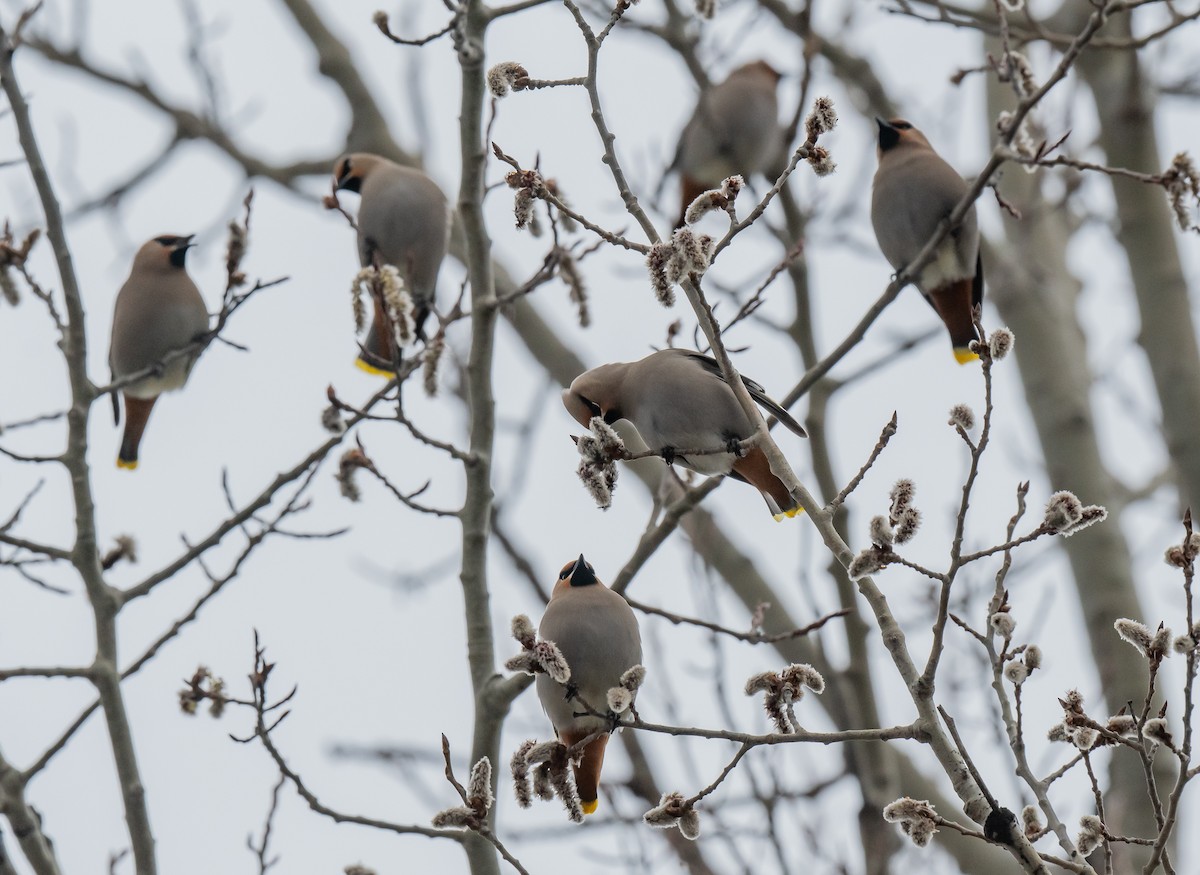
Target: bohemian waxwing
[734,129]
[914,190]
[404,221]
[158,310]
[678,401]
[597,633]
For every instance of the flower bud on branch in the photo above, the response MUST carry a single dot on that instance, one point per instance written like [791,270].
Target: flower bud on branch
[783,690]
[916,817]
[505,77]
[673,810]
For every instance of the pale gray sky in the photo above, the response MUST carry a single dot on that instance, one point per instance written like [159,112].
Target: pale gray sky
[375,665]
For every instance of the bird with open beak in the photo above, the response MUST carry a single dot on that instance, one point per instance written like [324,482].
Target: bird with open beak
[158,311]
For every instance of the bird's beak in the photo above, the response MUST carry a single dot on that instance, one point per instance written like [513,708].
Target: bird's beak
[580,574]
[348,182]
[179,251]
[889,135]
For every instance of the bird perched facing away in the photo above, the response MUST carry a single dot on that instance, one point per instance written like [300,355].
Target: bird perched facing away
[158,310]
[914,190]
[597,633]
[734,129]
[404,221]
[679,401]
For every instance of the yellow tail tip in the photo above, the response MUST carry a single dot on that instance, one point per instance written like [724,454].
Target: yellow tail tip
[788,514]
[126,465]
[962,355]
[372,370]
[589,806]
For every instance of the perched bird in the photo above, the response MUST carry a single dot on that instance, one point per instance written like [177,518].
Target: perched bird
[734,129]
[679,401]
[404,221]
[597,634]
[914,190]
[159,309]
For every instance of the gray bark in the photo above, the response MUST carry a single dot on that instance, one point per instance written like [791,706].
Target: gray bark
[1146,232]
[1030,284]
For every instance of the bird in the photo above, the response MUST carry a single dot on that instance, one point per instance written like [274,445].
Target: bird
[914,190]
[404,221]
[597,633]
[678,400]
[158,310]
[733,130]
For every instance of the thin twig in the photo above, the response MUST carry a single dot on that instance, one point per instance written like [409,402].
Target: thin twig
[752,637]
[885,436]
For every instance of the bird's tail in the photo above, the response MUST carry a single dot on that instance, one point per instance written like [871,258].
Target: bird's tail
[953,303]
[587,773]
[377,356]
[379,353]
[137,414]
[754,469]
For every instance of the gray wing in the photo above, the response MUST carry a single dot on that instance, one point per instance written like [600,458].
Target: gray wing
[757,392]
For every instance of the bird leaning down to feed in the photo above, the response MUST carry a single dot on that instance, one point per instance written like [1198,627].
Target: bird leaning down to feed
[404,221]
[597,633]
[679,401]
[915,190]
[734,130]
[159,310]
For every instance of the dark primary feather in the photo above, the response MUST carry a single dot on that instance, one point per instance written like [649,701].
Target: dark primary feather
[977,287]
[757,392]
[116,405]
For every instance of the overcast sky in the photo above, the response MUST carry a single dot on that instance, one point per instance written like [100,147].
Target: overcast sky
[380,658]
